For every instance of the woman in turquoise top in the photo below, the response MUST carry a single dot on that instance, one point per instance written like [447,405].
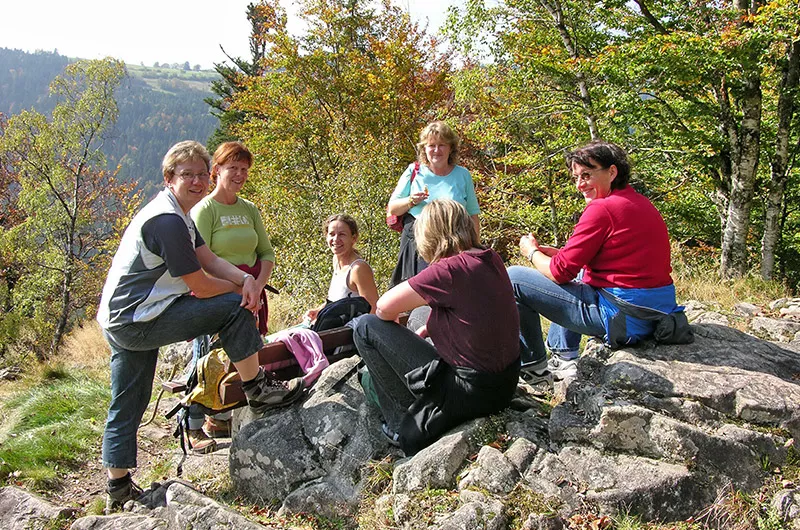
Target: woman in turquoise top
[439,177]
[233,229]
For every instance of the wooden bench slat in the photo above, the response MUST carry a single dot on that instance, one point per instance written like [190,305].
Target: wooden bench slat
[276,357]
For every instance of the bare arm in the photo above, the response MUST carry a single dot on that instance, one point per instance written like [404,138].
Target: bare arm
[404,204]
[362,280]
[267,267]
[477,223]
[397,300]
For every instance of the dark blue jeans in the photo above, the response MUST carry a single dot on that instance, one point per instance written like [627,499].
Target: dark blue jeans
[134,352]
[571,307]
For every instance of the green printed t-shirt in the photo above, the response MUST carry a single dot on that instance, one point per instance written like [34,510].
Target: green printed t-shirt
[233,232]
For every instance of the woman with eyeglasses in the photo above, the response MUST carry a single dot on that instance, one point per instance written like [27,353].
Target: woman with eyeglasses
[165,286]
[233,229]
[439,177]
[620,244]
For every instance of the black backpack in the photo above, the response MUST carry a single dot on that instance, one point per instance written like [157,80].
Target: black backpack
[337,314]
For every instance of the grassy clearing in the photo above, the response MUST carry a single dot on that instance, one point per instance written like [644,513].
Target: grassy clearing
[695,272]
[51,427]
[53,418]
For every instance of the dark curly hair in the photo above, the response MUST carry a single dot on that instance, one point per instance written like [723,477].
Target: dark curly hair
[599,153]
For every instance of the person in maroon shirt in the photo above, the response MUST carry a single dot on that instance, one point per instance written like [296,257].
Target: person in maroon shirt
[620,244]
[472,367]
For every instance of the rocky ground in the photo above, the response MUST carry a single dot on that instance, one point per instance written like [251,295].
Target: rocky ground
[657,431]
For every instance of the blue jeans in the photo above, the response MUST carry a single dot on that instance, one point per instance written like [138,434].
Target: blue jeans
[571,307]
[390,352]
[134,352]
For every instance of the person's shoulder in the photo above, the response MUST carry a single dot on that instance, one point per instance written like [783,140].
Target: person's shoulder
[164,225]
[246,203]
[360,265]
[205,204]
[462,171]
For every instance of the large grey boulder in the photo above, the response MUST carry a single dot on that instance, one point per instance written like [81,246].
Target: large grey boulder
[676,419]
[308,457]
[20,510]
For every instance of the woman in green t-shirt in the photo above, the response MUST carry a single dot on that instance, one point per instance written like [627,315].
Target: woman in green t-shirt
[233,229]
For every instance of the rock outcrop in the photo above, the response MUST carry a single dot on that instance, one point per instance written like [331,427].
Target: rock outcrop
[655,431]
[658,431]
[20,510]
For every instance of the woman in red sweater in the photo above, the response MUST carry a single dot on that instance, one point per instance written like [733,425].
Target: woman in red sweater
[620,244]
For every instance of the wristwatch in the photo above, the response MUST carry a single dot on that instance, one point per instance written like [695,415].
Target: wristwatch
[531,253]
[247,275]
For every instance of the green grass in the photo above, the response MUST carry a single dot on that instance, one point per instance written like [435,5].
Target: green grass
[51,426]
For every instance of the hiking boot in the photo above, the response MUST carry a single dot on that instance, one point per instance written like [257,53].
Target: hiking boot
[199,442]
[536,377]
[116,499]
[392,437]
[562,368]
[217,428]
[265,392]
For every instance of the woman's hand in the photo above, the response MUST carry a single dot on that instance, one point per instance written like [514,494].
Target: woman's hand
[311,315]
[417,198]
[251,294]
[527,244]
[423,331]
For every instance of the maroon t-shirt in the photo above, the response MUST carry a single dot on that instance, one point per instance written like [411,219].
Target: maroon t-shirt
[474,320]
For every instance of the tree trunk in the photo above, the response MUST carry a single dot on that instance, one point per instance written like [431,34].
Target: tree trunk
[63,316]
[779,165]
[744,153]
[553,7]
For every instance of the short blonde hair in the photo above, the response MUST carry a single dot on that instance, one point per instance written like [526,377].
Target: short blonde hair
[443,229]
[182,152]
[439,130]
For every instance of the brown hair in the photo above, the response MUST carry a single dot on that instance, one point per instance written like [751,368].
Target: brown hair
[439,130]
[182,152]
[230,152]
[603,154]
[443,229]
[343,217]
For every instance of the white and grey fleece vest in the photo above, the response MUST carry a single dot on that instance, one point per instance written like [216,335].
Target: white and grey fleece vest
[139,287]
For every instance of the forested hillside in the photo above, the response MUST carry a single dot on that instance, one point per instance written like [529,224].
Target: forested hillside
[158,107]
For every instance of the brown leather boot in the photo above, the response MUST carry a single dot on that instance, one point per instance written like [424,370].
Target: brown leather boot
[201,444]
[217,428]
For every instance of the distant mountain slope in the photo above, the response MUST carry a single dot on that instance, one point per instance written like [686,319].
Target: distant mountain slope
[158,107]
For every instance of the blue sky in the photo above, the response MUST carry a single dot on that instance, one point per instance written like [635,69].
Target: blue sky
[172,31]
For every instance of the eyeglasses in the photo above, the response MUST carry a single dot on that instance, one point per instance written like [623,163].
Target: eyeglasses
[586,176]
[188,176]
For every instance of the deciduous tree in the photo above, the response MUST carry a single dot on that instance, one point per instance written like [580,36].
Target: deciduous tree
[69,203]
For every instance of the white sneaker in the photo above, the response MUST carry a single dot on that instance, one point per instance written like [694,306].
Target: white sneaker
[562,368]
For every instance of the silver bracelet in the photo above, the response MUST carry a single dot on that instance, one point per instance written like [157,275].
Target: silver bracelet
[246,275]
[531,253]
